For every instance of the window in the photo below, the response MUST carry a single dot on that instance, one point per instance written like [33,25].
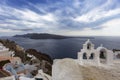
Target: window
[91,56]
[102,54]
[88,46]
[84,56]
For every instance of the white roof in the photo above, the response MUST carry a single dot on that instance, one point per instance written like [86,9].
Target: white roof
[101,47]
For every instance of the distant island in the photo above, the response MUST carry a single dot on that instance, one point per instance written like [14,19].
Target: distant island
[46,36]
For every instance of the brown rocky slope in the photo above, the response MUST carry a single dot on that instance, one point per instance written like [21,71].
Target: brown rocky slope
[45,61]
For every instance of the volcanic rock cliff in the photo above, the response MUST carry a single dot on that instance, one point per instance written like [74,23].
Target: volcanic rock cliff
[44,61]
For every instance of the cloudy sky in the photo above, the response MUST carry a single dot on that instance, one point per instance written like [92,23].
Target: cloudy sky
[65,17]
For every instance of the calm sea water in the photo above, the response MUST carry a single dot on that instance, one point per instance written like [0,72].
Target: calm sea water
[65,48]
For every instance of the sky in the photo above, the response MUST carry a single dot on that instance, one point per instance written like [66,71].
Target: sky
[64,17]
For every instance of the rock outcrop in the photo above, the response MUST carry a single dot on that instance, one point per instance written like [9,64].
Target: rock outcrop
[44,61]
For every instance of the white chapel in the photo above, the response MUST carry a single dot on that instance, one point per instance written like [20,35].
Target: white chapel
[90,55]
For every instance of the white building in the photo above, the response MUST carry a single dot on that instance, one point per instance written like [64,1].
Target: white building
[6,54]
[5,51]
[90,55]
[69,69]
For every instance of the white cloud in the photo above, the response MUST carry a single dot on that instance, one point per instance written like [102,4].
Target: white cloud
[8,30]
[7,25]
[98,13]
[26,18]
[112,27]
[30,15]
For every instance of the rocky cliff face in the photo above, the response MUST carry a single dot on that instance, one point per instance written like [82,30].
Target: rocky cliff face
[43,60]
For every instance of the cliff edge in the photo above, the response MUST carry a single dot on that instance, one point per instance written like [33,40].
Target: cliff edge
[69,69]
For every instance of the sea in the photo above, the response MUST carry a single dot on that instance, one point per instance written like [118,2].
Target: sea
[64,48]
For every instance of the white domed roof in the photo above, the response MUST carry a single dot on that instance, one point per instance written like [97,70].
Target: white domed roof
[101,47]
